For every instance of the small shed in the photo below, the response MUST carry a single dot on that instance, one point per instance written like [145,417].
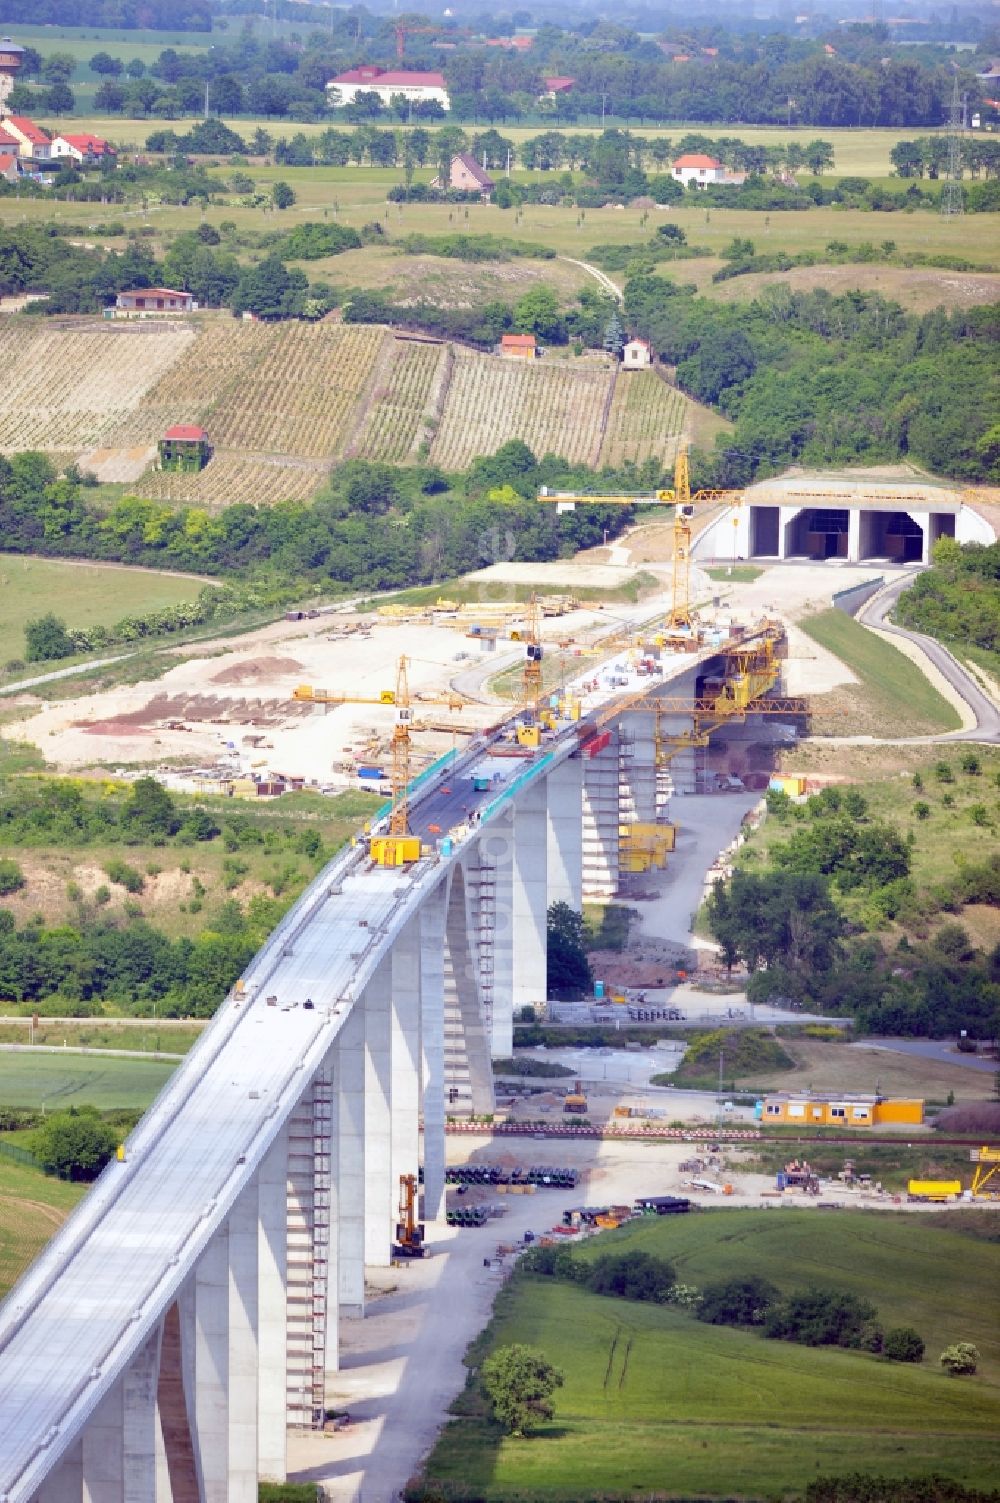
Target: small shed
[637,354]
[184,447]
[517,346]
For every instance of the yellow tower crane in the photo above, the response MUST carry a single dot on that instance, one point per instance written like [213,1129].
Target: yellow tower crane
[684,502]
[399,846]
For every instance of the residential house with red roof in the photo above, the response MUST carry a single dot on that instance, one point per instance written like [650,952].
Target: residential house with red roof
[518,346]
[704,171]
[85,148]
[420,88]
[33,144]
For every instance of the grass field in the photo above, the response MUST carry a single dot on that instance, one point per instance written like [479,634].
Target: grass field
[56,1081]
[822,1066]
[149,1038]
[32,1207]
[82,594]
[357,196]
[653,1399]
[893,698]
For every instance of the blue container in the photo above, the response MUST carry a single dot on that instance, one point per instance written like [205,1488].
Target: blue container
[446,846]
[373,774]
[780,1180]
[599,991]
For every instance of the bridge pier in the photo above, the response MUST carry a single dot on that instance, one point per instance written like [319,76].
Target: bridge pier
[432,927]
[564,856]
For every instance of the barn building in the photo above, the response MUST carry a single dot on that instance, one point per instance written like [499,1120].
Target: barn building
[185,446]
[861,516]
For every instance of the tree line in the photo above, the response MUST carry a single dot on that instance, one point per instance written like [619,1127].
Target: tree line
[442,526]
[714,75]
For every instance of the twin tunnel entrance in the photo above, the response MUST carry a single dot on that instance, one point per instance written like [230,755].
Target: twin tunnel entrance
[831,532]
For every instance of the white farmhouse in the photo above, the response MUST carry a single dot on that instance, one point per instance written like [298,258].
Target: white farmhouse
[695,168]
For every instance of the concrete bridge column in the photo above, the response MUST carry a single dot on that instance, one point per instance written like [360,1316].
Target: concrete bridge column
[244,1257]
[404,1046]
[65,1485]
[349,1169]
[103,1458]
[599,831]
[497,848]
[272,1310]
[530,894]
[463,992]
[853,535]
[432,927]
[140,1421]
[379,1199]
[565,834]
[210,1391]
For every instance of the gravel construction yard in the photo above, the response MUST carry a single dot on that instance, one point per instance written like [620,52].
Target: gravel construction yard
[402,1365]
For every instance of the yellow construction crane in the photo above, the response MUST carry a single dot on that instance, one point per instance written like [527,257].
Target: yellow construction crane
[684,501]
[400,846]
[987,1173]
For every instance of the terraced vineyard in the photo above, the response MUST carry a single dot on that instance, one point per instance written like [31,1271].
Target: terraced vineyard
[231,478]
[646,420]
[299,394]
[220,359]
[282,402]
[557,409]
[392,426]
[66,388]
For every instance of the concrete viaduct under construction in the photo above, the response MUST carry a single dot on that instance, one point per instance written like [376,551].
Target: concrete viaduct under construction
[187,1314]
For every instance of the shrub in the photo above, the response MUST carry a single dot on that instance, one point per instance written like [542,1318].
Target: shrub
[821,1317]
[960,1358]
[903,1344]
[738,1302]
[632,1275]
[126,876]
[12,878]
[75,1144]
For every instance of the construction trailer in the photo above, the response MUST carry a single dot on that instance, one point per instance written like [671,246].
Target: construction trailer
[804,1110]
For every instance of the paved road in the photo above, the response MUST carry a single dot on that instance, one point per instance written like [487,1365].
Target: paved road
[987,715]
[931,1049]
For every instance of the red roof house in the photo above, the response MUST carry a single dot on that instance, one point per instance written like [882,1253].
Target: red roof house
[517,346]
[32,140]
[558,85]
[84,147]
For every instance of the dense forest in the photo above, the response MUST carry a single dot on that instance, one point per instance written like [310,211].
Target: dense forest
[817,379]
